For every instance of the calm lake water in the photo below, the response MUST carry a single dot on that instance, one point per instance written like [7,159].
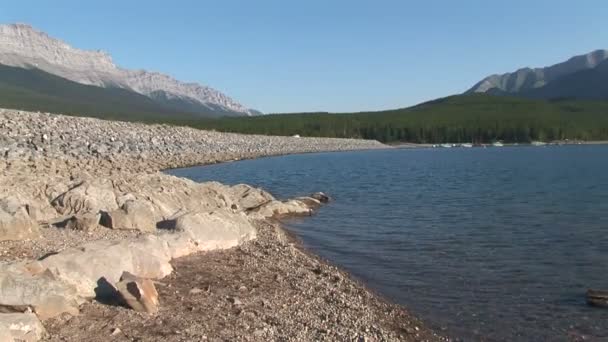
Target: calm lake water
[496,244]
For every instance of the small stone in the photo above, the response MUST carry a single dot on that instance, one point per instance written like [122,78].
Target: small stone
[235,301]
[116,331]
[196,290]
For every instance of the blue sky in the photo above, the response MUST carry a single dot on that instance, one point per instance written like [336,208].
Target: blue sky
[325,55]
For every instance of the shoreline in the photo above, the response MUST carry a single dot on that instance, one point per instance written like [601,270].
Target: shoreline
[60,175]
[274,279]
[217,162]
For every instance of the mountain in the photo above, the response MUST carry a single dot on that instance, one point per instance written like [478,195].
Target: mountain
[37,90]
[550,82]
[22,46]
[589,84]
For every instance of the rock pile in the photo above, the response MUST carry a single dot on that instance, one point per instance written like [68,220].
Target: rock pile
[93,144]
[177,217]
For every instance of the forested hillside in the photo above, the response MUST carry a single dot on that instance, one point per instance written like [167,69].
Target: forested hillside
[462,118]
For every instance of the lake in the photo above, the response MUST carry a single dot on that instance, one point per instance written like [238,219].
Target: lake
[496,244]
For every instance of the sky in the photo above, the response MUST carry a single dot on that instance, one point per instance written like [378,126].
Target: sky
[325,55]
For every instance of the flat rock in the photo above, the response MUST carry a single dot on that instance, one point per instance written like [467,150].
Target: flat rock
[91,268]
[22,327]
[219,229]
[24,286]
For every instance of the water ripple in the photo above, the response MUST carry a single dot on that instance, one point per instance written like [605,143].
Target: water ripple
[490,244]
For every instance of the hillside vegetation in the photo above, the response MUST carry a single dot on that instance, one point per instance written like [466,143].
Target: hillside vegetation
[461,118]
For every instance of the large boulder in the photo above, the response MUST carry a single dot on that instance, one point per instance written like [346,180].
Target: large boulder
[202,231]
[22,327]
[29,286]
[168,195]
[92,268]
[15,221]
[133,215]
[86,197]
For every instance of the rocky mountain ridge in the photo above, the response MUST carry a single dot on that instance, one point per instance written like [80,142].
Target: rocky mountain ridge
[23,46]
[527,80]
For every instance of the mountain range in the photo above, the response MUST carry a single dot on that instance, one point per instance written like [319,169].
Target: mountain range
[31,59]
[583,77]
[41,73]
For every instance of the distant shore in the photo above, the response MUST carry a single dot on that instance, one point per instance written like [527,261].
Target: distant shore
[552,143]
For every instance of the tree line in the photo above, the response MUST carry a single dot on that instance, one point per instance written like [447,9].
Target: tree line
[465,118]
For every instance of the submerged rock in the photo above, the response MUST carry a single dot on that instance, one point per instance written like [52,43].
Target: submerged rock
[278,209]
[597,298]
[321,197]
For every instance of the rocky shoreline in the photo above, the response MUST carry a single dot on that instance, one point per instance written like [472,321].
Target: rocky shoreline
[91,233]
